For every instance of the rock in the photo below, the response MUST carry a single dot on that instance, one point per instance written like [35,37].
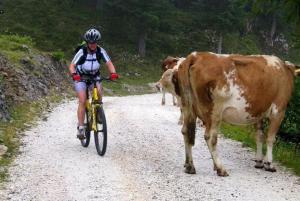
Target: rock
[25,60]
[25,48]
[5,74]
[137,74]
[3,150]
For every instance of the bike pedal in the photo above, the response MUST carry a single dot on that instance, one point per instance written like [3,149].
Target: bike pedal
[81,137]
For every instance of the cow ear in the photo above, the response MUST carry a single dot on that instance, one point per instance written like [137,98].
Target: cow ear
[166,62]
[175,82]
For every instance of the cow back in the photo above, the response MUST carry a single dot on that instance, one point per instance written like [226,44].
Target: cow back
[206,79]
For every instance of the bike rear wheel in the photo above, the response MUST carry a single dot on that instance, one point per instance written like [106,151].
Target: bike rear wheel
[85,142]
[101,134]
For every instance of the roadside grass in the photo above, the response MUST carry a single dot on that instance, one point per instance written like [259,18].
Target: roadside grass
[23,116]
[287,154]
[16,47]
[135,75]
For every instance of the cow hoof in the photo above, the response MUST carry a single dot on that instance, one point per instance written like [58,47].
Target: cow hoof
[163,103]
[180,122]
[259,164]
[268,167]
[190,169]
[222,173]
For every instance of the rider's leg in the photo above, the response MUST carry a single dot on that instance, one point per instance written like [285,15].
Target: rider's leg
[80,88]
[81,107]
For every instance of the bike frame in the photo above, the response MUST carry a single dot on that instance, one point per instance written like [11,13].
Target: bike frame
[94,101]
[92,104]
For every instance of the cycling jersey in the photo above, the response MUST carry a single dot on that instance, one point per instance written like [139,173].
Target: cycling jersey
[91,65]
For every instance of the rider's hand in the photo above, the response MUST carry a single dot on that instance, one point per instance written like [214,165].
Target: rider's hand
[76,77]
[114,76]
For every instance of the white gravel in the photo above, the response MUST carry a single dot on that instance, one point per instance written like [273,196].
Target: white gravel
[144,161]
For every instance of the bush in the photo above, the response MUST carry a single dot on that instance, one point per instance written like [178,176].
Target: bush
[290,127]
[234,43]
[15,42]
[58,55]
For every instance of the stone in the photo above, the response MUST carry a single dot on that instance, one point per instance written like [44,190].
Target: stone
[3,149]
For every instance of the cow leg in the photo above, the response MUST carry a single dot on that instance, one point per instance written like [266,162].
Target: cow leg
[211,138]
[174,101]
[275,122]
[259,146]
[188,131]
[163,100]
[180,121]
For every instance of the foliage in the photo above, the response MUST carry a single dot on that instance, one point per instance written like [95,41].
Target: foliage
[234,43]
[58,55]
[291,123]
[15,46]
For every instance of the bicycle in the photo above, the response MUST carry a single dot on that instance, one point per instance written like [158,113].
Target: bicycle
[95,120]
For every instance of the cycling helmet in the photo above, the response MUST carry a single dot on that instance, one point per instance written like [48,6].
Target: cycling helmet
[92,36]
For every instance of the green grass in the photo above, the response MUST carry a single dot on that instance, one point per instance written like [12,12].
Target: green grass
[135,72]
[287,154]
[15,47]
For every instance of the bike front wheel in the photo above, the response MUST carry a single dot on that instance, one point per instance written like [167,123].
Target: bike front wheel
[101,134]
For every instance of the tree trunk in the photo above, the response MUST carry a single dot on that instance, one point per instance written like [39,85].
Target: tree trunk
[142,44]
[220,44]
[249,26]
[273,30]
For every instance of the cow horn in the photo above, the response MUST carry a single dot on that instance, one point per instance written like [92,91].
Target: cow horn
[294,68]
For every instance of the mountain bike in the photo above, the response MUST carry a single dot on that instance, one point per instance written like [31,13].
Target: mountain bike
[95,120]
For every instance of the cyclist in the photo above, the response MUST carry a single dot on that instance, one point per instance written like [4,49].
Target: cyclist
[86,62]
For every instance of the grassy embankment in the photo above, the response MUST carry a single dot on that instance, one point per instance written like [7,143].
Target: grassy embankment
[287,154]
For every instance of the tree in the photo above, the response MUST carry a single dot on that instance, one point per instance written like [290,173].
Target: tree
[219,17]
[144,17]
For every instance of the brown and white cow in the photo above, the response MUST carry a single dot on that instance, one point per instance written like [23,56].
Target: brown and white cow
[168,65]
[236,89]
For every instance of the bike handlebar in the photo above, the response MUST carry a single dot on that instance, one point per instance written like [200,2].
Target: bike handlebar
[95,79]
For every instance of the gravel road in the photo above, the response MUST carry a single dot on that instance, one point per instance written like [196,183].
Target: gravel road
[144,161]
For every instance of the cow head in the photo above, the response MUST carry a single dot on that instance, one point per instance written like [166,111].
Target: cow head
[169,79]
[169,63]
[166,81]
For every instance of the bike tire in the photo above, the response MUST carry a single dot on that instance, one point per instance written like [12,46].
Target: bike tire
[101,134]
[85,142]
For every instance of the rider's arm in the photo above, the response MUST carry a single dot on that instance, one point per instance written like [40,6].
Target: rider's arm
[72,68]
[110,66]
[75,60]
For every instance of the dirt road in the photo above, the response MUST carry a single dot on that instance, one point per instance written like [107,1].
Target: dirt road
[144,161]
